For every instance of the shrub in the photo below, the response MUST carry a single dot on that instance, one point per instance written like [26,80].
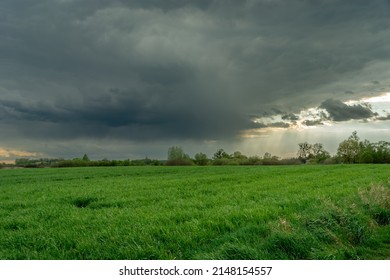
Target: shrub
[179,161]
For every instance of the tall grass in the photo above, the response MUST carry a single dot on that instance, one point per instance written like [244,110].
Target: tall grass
[213,212]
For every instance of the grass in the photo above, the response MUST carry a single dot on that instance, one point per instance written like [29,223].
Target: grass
[214,212]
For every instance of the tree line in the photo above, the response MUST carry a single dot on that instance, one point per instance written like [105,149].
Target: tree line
[351,150]
[83,162]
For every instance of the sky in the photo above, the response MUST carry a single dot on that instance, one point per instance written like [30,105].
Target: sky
[128,79]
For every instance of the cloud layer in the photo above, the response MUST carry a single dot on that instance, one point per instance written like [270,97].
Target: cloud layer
[186,70]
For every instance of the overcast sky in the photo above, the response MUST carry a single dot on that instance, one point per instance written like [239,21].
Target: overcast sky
[127,79]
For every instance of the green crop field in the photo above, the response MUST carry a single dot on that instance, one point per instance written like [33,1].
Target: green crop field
[212,212]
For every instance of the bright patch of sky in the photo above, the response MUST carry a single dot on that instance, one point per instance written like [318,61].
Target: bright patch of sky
[314,125]
[380,104]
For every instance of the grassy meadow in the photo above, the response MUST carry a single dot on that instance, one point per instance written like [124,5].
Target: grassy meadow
[212,212]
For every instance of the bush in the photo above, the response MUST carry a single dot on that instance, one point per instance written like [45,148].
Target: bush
[180,161]
[225,161]
[254,160]
[290,161]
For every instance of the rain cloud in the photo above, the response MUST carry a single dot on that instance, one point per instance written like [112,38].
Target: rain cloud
[199,70]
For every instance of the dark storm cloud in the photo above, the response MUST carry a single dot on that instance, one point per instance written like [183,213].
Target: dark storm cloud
[271,125]
[313,122]
[339,111]
[290,117]
[279,125]
[383,118]
[118,114]
[144,70]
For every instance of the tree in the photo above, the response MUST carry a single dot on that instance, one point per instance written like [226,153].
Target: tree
[267,156]
[176,156]
[305,151]
[269,159]
[309,152]
[221,154]
[201,159]
[381,152]
[374,152]
[349,150]
[319,153]
[239,156]
[85,158]
[175,153]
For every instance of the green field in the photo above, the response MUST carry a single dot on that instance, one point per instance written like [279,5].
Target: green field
[212,212]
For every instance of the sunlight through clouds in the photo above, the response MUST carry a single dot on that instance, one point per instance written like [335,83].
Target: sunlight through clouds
[12,153]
